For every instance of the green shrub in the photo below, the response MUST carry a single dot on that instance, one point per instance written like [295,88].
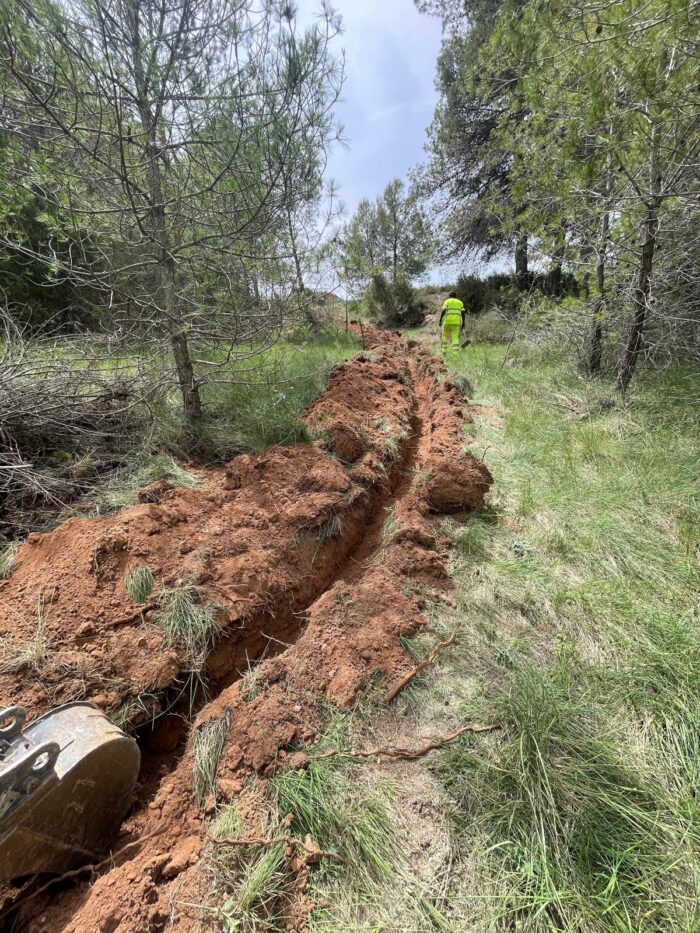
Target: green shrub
[394,304]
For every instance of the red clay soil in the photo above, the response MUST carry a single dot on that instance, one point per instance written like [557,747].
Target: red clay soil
[318,557]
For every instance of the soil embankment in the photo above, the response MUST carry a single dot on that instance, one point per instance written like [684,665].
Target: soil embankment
[318,557]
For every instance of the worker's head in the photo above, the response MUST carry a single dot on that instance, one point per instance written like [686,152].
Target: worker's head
[453,294]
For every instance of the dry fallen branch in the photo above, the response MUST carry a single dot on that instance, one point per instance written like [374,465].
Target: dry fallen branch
[312,853]
[394,692]
[407,753]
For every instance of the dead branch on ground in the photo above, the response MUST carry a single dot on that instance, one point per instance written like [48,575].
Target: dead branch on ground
[408,754]
[312,853]
[394,692]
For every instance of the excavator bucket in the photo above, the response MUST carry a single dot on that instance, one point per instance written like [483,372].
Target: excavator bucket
[66,781]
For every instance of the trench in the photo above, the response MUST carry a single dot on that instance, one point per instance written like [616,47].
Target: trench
[269,633]
[272,632]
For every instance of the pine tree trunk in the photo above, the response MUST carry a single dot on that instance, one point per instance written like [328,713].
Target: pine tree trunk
[191,400]
[642,288]
[595,356]
[554,277]
[521,270]
[166,293]
[628,364]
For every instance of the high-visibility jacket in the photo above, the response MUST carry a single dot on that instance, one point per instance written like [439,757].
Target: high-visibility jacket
[452,309]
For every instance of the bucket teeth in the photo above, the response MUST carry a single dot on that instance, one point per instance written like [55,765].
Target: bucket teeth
[66,782]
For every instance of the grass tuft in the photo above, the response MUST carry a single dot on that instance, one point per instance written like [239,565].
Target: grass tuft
[31,656]
[139,583]
[339,817]
[208,746]
[189,626]
[8,560]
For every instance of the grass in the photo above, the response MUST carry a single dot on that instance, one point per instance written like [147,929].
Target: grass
[142,468]
[208,746]
[31,656]
[189,626]
[576,599]
[326,802]
[8,560]
[577,591]
[327,806]
[256,901]
[318,537]
[257,402]
[139,583]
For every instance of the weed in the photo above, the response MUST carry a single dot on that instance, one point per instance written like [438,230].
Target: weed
[256,903]
[189,626]
[462,383]
[208,746]
[382,424]
[250,686]
[392,448]
[33,655]
[8,559]
[139,583]
[339,817]
[229,824]
[121,490]
[134,709]
[250,884]
[331,528]
[420,475]
[390,527]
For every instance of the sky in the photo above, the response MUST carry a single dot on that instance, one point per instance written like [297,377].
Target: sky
[389,94]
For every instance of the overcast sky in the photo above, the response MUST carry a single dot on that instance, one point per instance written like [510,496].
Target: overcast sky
[389,94]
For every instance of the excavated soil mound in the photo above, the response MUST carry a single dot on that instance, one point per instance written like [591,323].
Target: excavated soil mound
[317,558]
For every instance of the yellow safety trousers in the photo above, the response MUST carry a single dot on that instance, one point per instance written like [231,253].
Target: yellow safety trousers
[451,326]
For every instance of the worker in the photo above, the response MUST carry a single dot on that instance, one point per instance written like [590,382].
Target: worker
[452,321]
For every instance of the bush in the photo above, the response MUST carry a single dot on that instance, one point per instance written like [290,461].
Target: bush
[394,304]
[501,289]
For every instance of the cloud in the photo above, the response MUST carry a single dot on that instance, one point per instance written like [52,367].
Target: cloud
[389,95]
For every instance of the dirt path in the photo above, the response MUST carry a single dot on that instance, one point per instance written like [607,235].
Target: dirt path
[319,557]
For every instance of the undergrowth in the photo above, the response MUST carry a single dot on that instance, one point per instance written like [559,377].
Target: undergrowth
[578,593]
[249,402]
[30,656]
[8,559]
[325,803]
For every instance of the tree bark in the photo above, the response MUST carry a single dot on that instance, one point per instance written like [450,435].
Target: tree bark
[554,277]
[166,293]
[521,270]
[642,288]
[295,254]
[595,355]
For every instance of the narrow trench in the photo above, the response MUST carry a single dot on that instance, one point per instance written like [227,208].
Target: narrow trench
[343,559]
[272,632]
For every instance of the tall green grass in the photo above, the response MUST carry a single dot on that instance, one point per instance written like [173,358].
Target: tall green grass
[256,402]
[578,590]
